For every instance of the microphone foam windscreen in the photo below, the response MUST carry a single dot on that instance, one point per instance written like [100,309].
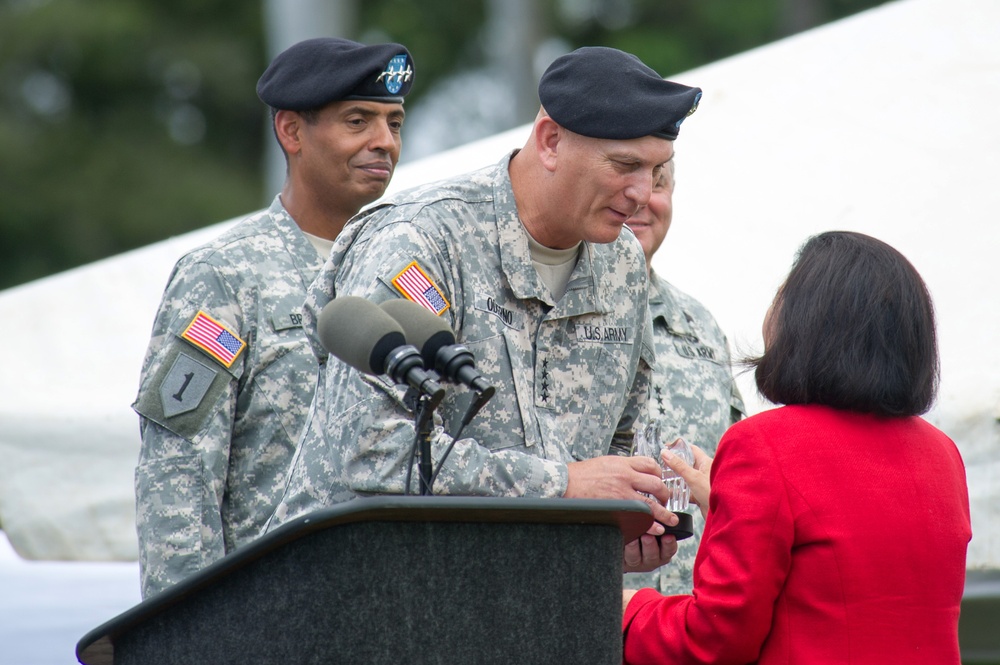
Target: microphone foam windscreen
[423,329]
[359,333]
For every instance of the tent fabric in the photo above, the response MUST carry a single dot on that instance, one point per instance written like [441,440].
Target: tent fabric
[881,123]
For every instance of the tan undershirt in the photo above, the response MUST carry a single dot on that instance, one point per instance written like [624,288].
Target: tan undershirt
[322,245]
[554,266]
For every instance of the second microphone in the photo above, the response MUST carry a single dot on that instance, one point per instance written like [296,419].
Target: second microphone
[436,342]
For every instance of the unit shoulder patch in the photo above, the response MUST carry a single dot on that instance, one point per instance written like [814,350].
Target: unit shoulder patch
[185,390]
[185,385]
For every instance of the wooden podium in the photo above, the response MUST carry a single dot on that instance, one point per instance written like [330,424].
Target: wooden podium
[398,580]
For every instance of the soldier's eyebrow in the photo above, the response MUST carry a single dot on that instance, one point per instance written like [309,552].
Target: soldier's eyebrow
[368,112]
[360,110]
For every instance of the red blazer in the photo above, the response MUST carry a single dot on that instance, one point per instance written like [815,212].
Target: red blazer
[832,537]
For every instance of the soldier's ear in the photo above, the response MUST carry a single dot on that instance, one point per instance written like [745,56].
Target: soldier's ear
[548,136]
[288,127]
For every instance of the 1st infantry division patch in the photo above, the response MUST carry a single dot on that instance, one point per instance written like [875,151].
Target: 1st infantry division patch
[185,385]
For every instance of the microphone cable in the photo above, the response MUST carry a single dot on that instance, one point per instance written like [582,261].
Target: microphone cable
[470,413]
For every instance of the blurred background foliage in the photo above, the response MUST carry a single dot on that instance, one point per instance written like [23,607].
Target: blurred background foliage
[123,122]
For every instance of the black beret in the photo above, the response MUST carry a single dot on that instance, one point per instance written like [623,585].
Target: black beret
[605,93]
[315,72]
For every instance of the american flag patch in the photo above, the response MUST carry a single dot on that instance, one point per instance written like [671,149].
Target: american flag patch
[414,283]
[212,337]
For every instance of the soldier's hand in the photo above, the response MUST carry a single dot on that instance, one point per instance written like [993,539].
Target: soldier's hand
[615,477]
[648,552]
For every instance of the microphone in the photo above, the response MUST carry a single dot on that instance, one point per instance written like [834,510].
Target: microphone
[436,341]
[359,333]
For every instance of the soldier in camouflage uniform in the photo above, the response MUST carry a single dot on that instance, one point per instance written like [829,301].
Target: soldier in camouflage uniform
[526,261]
[692,391]
[229,374]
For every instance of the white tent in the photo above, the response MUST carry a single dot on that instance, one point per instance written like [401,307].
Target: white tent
[882,123]
[885,124]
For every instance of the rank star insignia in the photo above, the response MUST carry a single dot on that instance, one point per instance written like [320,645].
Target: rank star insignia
[396,73]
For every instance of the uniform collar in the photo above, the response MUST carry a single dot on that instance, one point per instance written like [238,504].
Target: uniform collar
[515,256]
[304,256]
[664,307]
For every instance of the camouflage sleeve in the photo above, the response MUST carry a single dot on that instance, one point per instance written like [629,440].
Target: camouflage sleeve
[186,403]
[374,435]
[370,423]
[177,514]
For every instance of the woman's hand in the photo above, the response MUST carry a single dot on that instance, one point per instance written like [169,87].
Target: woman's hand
[626,597]
[697,476]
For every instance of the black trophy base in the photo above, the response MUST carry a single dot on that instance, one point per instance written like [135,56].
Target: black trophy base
[684,528]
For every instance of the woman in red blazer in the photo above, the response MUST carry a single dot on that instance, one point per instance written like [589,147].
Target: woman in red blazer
[837,525]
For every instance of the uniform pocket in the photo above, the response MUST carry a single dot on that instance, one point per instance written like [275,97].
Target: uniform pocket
[608,391]
[500,424]
[171,519]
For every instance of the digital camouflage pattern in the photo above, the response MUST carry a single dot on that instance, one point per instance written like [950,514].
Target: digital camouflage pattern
[217,440]
[565,372]
[694,394]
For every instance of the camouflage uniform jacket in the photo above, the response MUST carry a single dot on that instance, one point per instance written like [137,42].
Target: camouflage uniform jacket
[694,392]
[216,439]
[565,372]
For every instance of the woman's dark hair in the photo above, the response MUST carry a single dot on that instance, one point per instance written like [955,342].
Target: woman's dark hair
[852,328]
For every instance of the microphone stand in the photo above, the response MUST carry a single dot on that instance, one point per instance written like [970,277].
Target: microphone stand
[426,402]
[482,397]
[425,413]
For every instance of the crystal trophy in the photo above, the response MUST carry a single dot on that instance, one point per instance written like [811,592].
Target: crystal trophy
[649,441]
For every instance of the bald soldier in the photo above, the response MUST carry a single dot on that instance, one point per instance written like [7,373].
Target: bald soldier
[229,373]
[527,261]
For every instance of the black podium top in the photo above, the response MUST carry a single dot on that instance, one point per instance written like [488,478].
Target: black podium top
[632,518]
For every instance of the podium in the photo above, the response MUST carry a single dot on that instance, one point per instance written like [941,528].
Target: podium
[403,579]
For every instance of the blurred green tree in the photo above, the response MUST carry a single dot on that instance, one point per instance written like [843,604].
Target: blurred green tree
[123,122]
